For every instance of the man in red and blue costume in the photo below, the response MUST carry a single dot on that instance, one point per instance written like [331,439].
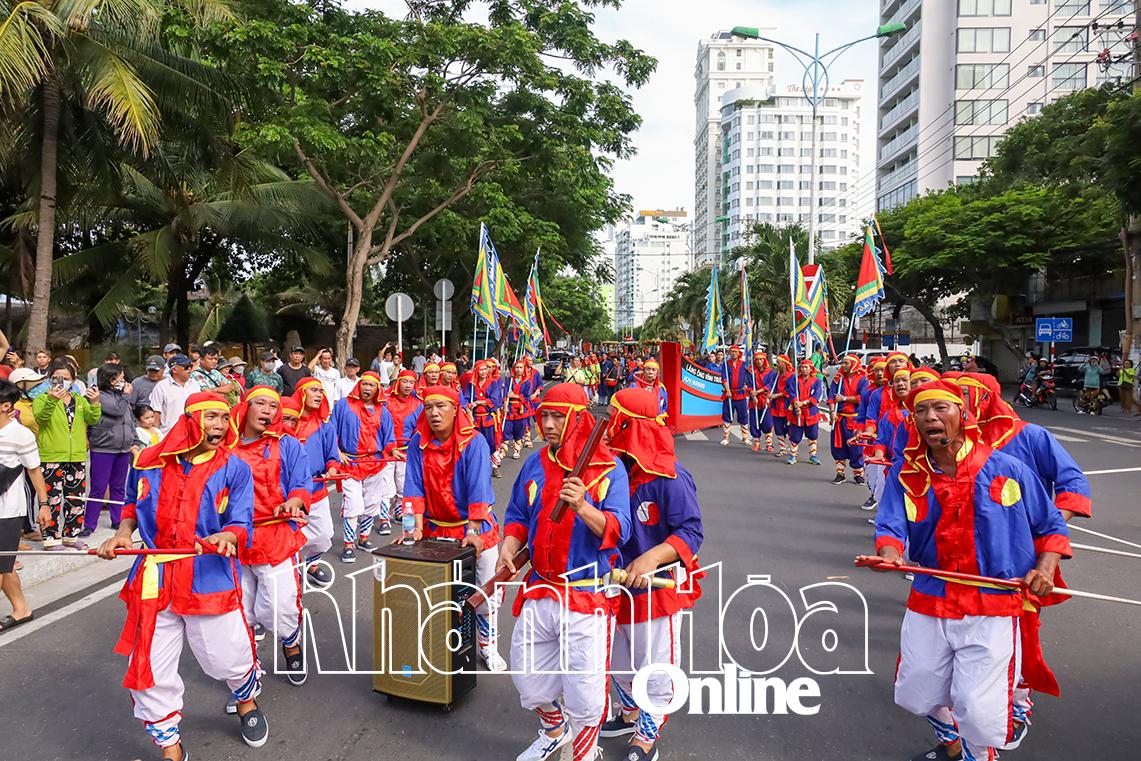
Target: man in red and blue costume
[736,387]
[962,506]
[873,472]
[449,375]
[366,439]
[428,378]
[665,536]
[271,579]
[649,378]
[804,395]
[404,407]
[562,608]
[760,417]
[448,488]
[188,491]
[317,435]
[871,413]
[844,394]
[883,450]
[517,407]
[537,385]
[775,381]
[483,400]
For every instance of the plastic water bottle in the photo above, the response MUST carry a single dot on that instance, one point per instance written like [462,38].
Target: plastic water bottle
[408,523]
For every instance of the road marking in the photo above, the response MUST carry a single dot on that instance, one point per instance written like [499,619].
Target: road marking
[1113,470]
[1102,436]
[56,615]
[1073,439]
[696,436]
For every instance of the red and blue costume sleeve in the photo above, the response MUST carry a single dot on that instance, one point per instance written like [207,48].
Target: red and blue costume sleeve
[862,409]
[367,437]
[469,497]
[321,451]
[873,411]
[280,469]
[665,510]
[807,390]
[739,378]
[1056,468]
[566,552]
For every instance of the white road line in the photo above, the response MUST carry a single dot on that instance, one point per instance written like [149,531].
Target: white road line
[56,615]
[1104,436]
[696,436]
[1112,470]
[1073,439]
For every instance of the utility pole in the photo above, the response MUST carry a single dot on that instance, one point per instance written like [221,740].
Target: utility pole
[1131,235]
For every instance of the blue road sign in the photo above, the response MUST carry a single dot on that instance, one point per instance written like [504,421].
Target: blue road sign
[1054,329]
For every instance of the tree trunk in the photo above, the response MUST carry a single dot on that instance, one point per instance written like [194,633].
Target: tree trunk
[182,318]
[354,291]
[45,220]
[1130,238]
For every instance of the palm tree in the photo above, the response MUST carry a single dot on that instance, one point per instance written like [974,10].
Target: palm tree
[100,57]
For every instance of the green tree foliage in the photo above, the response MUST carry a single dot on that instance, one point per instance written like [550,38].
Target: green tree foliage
[575,302]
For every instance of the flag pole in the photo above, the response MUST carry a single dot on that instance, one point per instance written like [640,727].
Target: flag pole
[793,264]
[851,326]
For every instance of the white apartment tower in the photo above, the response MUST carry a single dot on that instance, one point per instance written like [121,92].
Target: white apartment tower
[966,70]
[651,251]
[766,161]
[724,63]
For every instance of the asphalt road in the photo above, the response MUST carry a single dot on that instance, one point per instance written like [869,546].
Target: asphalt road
[60,696]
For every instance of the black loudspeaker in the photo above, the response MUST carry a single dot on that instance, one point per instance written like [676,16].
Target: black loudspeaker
[420,621]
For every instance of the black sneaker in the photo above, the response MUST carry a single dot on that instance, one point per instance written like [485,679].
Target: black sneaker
[938,753]
[859,480]
[635,753]
[616,727]
[348,554]
[367,544]
[384,529]
[495,473]
[1020,730]
[295,667]
[255,729]
[870,504]
[318,575]
[259,632]
[839,479]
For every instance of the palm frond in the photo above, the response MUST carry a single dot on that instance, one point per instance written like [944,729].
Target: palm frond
[139,17]
[89,261]
[156,251]
[117,91]
[121,293]
[25,47]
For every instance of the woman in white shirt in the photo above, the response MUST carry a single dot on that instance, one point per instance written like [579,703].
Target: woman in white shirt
[323,370]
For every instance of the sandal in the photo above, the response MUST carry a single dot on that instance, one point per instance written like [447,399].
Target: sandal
[11,622]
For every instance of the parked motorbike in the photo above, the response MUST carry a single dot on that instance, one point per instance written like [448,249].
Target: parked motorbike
[1043,396]
[1096,405]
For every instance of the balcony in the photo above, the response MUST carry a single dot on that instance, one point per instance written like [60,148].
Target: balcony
[895,178]
[905,11]
[900,47]
[898,142]
[905,107]
[905,75]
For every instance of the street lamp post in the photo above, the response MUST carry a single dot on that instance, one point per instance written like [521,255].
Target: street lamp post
[816,77]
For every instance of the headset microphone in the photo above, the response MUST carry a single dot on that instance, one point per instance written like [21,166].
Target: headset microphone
[944,442]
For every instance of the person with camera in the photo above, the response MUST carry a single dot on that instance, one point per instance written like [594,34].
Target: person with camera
[63,417]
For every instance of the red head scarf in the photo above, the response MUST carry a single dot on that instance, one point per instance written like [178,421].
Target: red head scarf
[464,429]
[926,373]
[275,427]
[917,470]
[322,413]
[570,400]
[997,419]
[783,359]
[639,431]
[856,368]
[410,374]
[375,378]
[290,407]
[187,432]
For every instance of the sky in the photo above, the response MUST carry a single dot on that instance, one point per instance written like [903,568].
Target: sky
[661,174]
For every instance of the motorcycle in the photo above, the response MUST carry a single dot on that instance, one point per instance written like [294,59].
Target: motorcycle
[1093,407]
[1045,395]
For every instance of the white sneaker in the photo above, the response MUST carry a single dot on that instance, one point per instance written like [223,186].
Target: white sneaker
[493,659]
[544,747]
[725,441]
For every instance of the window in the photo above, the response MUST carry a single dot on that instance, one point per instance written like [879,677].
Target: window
[982,76]
[963,179]
[721,62]
[974,147]
[765,168]
[1037,35]
[804,185]
[750,120]
[984,7]
[787,152]
[984,40]
[980,112]
[1069,39]
[738,65]
[740,52]
[1073,7]
[788,136]
[767,135]
[1069,76]
[1037,70]
[786,185]
[767,152]
[1033,109]
[765,184]
[721,85]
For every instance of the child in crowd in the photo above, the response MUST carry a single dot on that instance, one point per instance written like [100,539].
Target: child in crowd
[147,433]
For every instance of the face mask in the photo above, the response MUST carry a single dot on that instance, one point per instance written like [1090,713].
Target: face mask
[119,385]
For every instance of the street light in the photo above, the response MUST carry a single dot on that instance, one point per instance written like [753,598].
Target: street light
[816,75]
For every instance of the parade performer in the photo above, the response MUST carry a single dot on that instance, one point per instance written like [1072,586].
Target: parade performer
[891,423]
[774,382]
[481,397]
[290,414]
[188,491]
[760,417]
[449,375]
[271,581]
[318,436]
[666,534]
[873,472]
[365,438]
[404,407]
[537,384]
[428,378]
[649,378]
[844,394]
[517,407]
[804,393]
[963,506]
[561,592]
[895,362]
[737,384]
[448,488]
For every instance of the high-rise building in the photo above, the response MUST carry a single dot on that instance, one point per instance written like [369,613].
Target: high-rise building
[966,70]
[651,252]
[724,62]
[766,161]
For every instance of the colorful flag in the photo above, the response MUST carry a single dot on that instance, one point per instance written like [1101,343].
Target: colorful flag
[869,284]
[506,303]
[533,308]
[746,311]
[712,338]
[814,320]
[483,283]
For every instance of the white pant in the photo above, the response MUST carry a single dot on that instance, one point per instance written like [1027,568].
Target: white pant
[223,648]
[394,480]
[366,497]
[876,476]
[639,645]
[271,596]
[970,665]
[319,530]
[543,630]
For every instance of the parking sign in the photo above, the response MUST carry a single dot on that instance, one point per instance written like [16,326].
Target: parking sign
[1054,329]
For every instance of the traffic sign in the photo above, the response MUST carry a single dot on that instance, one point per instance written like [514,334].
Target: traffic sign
[1054,329]
[398,307]
[443,289]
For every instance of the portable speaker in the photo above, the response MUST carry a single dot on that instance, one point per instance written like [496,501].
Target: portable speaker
[413,630]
